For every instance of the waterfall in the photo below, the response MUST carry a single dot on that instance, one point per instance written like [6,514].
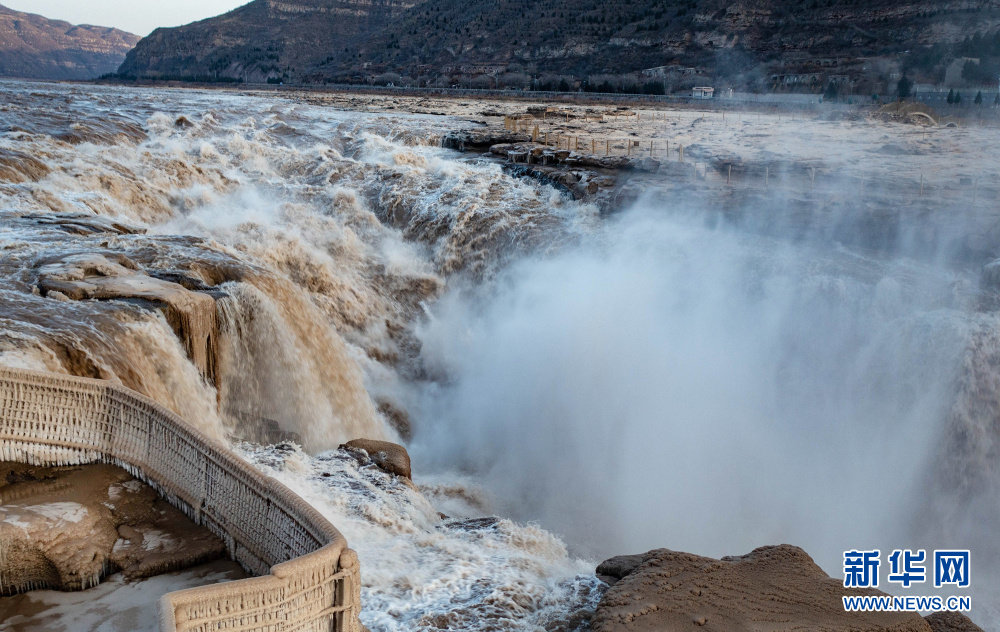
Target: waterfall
[704,374]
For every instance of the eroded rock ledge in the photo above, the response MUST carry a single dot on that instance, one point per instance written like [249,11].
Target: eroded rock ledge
[191,314]
[388,457]
[610,182]
[68,527]
[772,589]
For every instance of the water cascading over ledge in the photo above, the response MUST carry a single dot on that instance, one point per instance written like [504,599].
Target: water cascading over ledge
[308,578]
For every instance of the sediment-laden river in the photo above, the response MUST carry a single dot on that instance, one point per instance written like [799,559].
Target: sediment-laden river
[277,271]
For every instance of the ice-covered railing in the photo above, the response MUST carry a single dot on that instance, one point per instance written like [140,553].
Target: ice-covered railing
[307,578]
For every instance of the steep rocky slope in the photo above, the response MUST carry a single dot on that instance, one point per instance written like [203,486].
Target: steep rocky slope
[583,37]
[35,47]
[265,39]
[447,40]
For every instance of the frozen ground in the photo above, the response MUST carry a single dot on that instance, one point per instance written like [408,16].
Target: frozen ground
[114,606]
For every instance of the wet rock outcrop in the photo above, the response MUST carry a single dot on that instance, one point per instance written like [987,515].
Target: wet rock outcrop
[771,589]
[586,173]
[67,527]
[481,139]
[191,314]
[390,457]
[534,153]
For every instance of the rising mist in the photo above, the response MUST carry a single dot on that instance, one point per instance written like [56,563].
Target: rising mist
[676,382]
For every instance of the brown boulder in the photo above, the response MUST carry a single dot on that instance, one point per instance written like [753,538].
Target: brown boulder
[387,456]
[772,589]
[951,622]
[610,571]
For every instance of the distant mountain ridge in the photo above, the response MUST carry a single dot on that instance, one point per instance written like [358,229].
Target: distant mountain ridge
[265,39]
[755,43]
[36,47]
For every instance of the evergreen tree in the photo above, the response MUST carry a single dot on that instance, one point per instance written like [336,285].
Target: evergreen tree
[958,98]
[979,98]
[951,96]
[831,92]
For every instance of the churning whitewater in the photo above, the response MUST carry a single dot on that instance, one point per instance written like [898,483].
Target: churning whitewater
[570,385]
[322,236]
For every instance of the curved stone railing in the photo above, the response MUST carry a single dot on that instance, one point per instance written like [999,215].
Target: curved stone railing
[307,578]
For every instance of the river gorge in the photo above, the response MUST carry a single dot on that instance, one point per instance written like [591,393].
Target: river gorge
[704,369]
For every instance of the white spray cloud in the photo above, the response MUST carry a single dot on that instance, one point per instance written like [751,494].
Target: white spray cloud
[671,384]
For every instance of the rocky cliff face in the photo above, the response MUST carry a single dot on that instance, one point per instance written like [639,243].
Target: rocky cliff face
[35,47]
[437,40]
[265,40]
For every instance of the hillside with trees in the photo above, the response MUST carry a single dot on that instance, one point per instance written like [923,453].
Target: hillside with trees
[623,45]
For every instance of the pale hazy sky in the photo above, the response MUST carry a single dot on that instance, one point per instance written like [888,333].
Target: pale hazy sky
[137,16]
